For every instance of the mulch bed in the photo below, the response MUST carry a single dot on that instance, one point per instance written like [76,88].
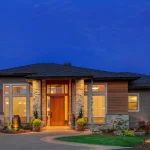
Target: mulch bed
[17,132]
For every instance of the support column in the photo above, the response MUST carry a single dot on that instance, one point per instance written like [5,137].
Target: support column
[37,96]
[44,102]
[79,96]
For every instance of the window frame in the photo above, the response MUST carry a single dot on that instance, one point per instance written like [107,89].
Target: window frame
[11,95]
[138,101]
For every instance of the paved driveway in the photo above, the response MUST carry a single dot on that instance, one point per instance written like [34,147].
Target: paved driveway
[32,142]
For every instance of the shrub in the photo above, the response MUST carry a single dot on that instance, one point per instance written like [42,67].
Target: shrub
[80,113]
[143,126]
[108,130]
[27,126]
[128,133]
[36,116]
[37,122]
[81,121]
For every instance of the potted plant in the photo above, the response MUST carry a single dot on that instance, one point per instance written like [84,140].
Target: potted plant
[80,124]
[37,124]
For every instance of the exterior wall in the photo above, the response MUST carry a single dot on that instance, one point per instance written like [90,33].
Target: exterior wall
[37,96]
[144,110]
[1,119]
[117,97]
[44,100]
[7,80]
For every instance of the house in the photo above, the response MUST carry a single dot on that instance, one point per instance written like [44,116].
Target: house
[58,92]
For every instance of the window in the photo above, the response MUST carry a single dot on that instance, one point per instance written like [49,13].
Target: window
[19,107]
[99,109]
[6,90]
[98,88]
[85,106]
[18,89]
[6,112]
[133,102]
[57,89]
[17,101]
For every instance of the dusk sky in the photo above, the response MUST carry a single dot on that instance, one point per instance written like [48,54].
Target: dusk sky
[111,35]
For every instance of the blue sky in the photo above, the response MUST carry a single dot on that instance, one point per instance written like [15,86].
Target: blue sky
[109,35]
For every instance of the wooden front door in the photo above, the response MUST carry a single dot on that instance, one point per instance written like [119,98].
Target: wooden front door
[57,111]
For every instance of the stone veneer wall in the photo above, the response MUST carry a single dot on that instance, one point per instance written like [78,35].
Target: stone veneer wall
[44,106]
[79,96]
[109,122]
[111,118]
[37,96]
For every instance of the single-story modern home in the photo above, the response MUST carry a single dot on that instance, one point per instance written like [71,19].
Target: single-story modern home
[59,91]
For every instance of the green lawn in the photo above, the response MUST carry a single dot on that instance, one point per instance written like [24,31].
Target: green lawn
[104,140]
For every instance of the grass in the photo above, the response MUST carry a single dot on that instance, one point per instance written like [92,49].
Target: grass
[104,140]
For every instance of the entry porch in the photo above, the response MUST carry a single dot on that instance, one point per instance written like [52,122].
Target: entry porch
[57,100]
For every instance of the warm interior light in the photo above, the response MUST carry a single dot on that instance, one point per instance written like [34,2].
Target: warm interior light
[7,103]
[95,88]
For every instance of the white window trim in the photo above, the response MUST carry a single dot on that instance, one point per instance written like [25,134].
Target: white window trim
[138,98]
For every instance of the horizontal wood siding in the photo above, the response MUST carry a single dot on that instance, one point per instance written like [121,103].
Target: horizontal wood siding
[117,98]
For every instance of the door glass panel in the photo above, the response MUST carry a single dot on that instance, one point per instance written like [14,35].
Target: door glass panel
[57,89]
[48,89]
[48,110]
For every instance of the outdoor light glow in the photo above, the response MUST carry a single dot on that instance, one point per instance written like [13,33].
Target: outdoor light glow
[147,141]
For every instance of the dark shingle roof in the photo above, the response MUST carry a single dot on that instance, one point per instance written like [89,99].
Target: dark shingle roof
[56,70]
[143,82]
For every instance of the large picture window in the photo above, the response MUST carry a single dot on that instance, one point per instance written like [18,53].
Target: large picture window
[18,101]
[19,107]
[99,109]
[99,94]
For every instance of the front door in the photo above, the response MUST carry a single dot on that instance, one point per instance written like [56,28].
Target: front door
[57,114]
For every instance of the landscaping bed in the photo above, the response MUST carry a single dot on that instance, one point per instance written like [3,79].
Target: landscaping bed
[97,139]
